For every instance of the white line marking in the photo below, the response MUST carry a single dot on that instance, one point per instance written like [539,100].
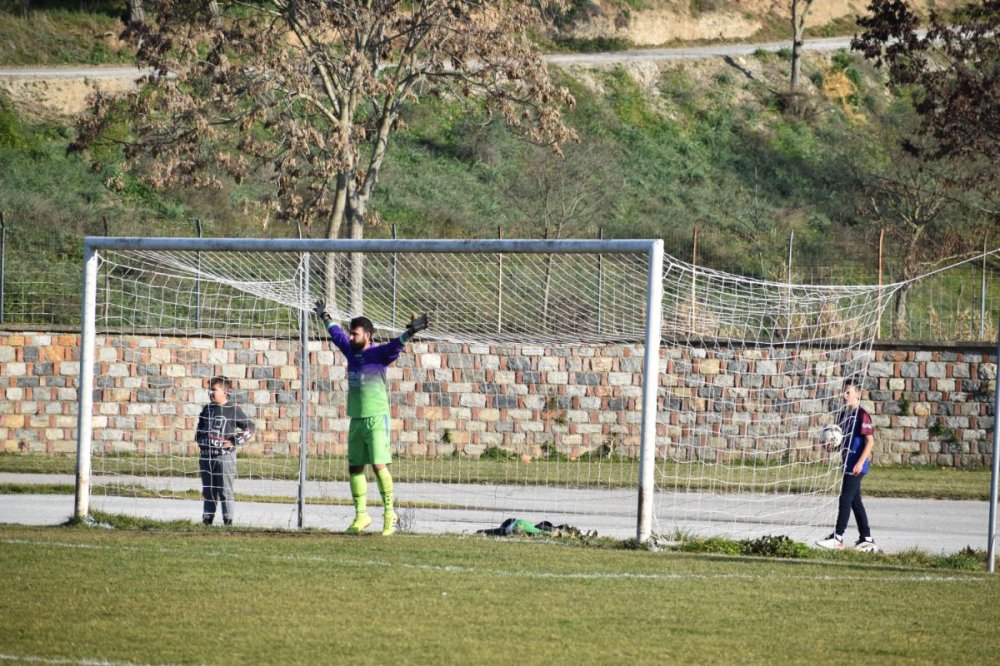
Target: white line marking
[36,659]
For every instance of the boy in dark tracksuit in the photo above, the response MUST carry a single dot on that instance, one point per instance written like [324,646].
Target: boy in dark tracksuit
[221,428]
[856,451]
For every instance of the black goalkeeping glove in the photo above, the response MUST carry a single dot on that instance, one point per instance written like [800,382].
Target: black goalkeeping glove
[320,310]
[416,325]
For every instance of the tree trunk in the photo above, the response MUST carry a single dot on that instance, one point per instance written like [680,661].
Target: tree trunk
[333,226]
[910,270]
[899,312]
[800,9]
[357,265]
[134,12]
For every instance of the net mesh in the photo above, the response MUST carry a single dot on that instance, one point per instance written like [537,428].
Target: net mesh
[754,370]
[522,399]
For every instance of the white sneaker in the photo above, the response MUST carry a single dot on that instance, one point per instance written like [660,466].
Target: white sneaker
[866,546]
[831,543]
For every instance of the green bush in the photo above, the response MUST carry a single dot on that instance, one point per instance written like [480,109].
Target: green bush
[496,453]
[717,546]
[591,45]
[967,559]
[774,546]
[11,135]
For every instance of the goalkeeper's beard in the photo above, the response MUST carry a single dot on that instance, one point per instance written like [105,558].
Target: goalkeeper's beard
[359,346]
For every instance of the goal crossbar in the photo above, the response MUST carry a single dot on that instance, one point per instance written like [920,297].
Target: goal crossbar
[512,246]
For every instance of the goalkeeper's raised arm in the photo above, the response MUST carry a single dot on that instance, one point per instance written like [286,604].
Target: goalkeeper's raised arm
[417,324]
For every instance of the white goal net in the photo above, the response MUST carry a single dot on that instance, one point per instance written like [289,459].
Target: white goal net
[523,399]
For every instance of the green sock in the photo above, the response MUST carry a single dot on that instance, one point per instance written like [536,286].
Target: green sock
[384,480]
[359,491]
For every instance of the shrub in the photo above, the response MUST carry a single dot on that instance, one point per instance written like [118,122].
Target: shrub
[774,546]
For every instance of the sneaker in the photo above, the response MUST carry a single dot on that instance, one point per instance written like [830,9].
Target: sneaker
[831,543]
[391,524]
[866,545]
[360,524]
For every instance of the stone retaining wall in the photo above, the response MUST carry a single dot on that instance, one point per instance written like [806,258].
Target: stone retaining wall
[931,405]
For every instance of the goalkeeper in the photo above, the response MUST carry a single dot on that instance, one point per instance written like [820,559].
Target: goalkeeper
[368,406]
[221,428]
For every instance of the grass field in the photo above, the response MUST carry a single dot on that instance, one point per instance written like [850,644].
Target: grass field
[884,481]
[81,595]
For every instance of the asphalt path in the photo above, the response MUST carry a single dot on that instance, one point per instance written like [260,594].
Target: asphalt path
[562,59]
[933,526]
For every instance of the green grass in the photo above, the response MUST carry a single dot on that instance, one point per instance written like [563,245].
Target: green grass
[928,482]
[207,596]
[883,481]
[61,37]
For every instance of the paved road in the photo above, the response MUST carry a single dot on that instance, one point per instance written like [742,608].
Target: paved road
[899,524]
[693,52]
[76,72]
[682,53]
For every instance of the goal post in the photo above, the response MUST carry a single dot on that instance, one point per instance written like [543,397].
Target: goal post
[84,430]
[158,286]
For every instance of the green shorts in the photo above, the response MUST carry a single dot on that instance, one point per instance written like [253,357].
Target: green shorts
[368,441]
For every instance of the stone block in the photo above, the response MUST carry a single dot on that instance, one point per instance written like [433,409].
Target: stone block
[936,369]
[709,366]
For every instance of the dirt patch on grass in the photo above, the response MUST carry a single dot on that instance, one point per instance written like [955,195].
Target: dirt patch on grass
[60,96]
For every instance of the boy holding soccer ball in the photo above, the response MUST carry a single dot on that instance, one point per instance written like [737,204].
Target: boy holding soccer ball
[222,427]
[856,450]
[368,441]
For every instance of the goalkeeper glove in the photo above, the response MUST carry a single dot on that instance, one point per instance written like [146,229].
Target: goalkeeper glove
[320,310]
[416,325]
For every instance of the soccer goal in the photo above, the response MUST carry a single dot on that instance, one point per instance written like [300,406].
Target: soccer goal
[597,384]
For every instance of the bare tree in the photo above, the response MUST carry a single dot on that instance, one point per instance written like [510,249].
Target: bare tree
[749,215]
[561,198]
[926,218]
[308,94]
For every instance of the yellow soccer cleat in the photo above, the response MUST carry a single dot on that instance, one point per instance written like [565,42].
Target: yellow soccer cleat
[360,524]
[391,524]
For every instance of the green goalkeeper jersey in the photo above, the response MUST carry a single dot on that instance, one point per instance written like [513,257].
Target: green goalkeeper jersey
[367,387]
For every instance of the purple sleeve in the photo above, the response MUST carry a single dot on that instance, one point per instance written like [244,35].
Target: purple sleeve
[389,352]
[339,338]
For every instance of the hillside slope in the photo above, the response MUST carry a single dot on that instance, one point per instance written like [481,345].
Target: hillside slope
[644,23]
[665,148]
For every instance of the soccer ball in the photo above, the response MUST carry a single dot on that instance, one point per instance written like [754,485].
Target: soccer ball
[832,435]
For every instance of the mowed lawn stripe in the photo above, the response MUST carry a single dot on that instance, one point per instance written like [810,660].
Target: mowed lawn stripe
[227,597]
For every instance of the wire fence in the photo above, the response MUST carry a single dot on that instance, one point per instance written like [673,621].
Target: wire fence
[41,279]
